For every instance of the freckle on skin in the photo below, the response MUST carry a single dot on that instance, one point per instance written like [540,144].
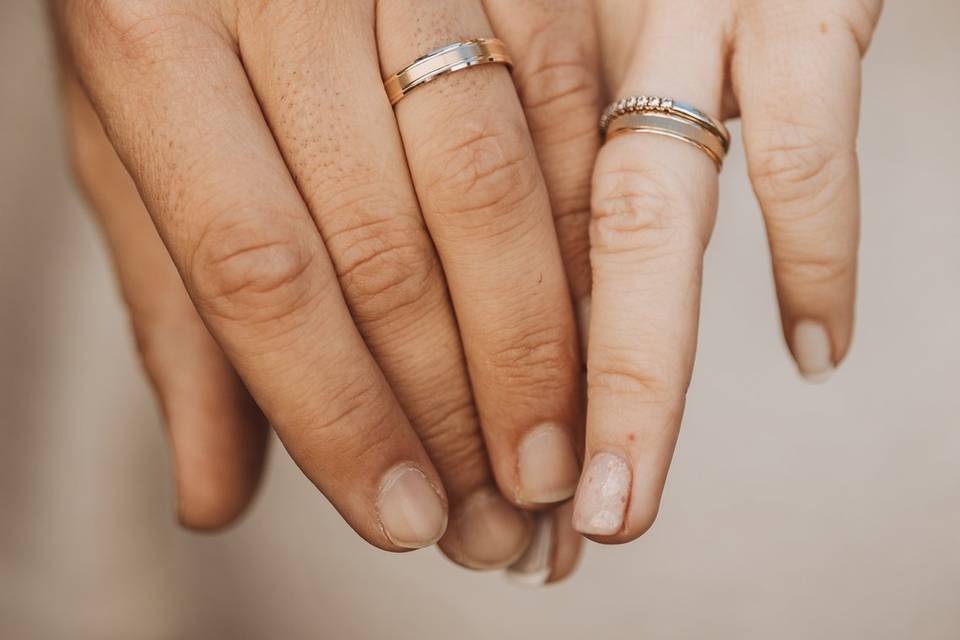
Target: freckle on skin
[823,27]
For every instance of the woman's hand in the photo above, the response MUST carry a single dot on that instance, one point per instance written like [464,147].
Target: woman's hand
[792,70]
[302,214]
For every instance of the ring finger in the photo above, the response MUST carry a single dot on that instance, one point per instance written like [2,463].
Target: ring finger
[654,202]
[484,200]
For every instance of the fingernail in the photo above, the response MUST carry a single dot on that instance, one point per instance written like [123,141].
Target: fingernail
[534,566]
[410,508]
[813,351]
[602,495]
[547,465]
[489,532]
[583,324]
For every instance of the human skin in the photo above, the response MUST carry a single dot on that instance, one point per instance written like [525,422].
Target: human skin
[389,288]
[791,70]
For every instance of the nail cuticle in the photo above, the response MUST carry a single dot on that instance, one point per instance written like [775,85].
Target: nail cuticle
[417,506]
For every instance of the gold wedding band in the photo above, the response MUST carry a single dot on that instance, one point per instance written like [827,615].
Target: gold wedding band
[446,59]
[664,116]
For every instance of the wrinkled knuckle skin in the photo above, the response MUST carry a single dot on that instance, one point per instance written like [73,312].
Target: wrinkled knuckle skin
[539,360]
[452,439]
[610,376]
[816,268]
[485,168]
[241,271]
[384,265]
[800,171]
[633,212]
[558,75]
[138,30]
[361,404]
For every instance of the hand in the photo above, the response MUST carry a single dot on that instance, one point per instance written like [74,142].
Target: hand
[793,70]
[290,198]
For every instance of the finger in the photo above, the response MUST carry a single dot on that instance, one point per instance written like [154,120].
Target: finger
[557,74]
[553,552]
[484,201]
[797,77]
[242,238]
[217,433]
[654,202]
[362,200]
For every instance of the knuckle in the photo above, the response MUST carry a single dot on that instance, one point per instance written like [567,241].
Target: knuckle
[612,375]
[452,439]
[801,170]
[634,211]
[384,265]
[357,405]
[815,268]
[558,74]
[139,30]
[538,359]
[241,270]
[486,166]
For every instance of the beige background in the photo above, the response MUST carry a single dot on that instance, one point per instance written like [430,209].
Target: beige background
[792,511]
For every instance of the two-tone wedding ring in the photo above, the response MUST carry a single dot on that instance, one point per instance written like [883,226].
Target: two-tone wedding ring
[440,62]
[667,117]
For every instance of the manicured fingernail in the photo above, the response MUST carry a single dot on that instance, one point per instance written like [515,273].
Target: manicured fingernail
[602,495]
[410,508]
[812,348]
[489,532]
[583,324]
[534,566]
[547,465]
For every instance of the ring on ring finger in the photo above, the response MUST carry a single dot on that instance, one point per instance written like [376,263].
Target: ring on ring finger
[667,117]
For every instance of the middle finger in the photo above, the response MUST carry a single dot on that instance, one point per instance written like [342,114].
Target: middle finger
[484,200]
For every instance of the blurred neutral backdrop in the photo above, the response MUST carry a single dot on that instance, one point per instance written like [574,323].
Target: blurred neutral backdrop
[792,511]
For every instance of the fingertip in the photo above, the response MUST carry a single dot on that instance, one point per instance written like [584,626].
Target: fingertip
[412,510]
[535,566]
[813,351]
[487,532]
[211,494]
[547,466]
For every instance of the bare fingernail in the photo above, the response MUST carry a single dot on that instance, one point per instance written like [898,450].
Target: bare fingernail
[411,510]
[489,532]
[813,351]
[602,496]
[534,566]
[547,465]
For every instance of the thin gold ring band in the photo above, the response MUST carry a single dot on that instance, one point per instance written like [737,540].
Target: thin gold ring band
[648,104]
[672,126]
[447,59]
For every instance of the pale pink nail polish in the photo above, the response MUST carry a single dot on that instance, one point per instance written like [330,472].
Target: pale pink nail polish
[602,495]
